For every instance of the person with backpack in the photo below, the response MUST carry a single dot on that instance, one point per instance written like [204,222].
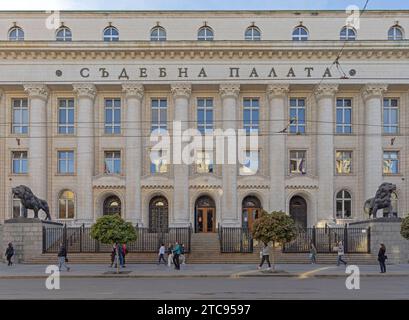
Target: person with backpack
[9,254]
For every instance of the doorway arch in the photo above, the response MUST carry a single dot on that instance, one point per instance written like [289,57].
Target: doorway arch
[112,205]
[205,215]
[298,211]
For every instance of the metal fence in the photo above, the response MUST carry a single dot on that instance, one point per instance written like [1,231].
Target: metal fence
[79,240]
[235,240]
[355,240]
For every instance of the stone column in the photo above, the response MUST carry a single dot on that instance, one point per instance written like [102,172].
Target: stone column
[277,96]
[372,96]
[3,211]
[85,151]
[133,131]
[37,153]
[229,93]
[181,94]
[325,96]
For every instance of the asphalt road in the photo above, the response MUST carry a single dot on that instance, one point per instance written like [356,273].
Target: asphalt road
[208,288]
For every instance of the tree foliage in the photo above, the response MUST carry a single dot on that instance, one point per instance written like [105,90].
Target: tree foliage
[110,229]
[404,228]
[276,227]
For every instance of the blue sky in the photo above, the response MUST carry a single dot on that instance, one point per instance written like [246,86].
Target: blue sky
[196,4]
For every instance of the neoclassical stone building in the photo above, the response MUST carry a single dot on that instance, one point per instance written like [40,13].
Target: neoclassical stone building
[81,93]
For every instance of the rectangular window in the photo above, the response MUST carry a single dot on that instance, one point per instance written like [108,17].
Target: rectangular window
[298,163]
[20,116]
[390,162]
[343,162]
[66,116]
[112,162]
[20,162]
[159,108]
[344,116]
[250,164]
[112,116]
[251,107]
[205,115]
[390,116]
[204,161]
[66,162]
[297,115]
[159,161]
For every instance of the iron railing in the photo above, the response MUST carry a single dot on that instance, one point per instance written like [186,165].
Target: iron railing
[79,240]
[235,240]
[325,240]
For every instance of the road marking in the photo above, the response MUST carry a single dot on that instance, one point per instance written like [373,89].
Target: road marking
[305,275]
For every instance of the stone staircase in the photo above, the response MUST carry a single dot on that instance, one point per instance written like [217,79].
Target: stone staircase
[205,248]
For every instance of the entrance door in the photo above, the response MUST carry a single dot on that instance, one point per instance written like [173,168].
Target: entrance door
[205,215]
[206,220]
[251,211]
[298,211]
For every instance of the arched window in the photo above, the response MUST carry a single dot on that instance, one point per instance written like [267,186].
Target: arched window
[394,205]
[251,210]
[343,205]
[66,205]
[16,34]
[347,33]
[158,214]
[158,34]
[112,205]
[63,34]
[395,33]
[252,33]
[300,33]
[205,34]
[111,34]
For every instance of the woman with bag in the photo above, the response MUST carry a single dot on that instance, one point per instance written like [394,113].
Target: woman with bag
[382,258]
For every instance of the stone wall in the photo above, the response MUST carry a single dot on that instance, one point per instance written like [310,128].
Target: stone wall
[2,246]
[387,231]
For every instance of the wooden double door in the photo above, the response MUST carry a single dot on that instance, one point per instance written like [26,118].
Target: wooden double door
[205,220]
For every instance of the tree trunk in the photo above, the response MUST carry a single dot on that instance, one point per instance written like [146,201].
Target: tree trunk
[273,258]
[117,259]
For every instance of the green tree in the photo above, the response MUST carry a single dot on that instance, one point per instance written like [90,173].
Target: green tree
[276,228]
[404,228]
[111,229]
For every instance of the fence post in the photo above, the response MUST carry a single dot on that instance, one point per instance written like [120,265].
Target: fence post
[346,238]
[314,236]
[64,236]
[369,239]
[44,240]
[81,233]
[329,240]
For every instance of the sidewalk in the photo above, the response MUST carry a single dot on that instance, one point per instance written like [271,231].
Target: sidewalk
[302,271]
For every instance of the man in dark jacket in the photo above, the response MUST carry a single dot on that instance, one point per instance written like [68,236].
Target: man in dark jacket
[382,257]
[62,257]
[9,254]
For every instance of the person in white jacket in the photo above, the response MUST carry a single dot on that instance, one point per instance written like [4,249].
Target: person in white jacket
[161,254]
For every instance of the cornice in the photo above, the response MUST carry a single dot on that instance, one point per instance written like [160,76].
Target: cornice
[253,186]
[194,50]
[157,186]
[301,187]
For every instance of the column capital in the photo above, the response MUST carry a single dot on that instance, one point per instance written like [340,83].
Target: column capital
[229,90]
[133,90]
[325,91]
[277,90]
[181,90]
[35,90]
[85,90]
[373,90]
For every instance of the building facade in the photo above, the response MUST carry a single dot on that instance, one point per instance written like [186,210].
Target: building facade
[82,92]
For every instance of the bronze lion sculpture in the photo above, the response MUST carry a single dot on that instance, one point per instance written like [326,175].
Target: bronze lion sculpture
[381,200]
[30,201]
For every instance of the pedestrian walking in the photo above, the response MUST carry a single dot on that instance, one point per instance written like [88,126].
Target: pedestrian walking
[265,256]
[124,253]
[170,254]
[313,254]
[341,253]
[120,253]
[176,254]
[113,255]
[9,254]
[161,254]
[382,257]
[182,254]
[62,258]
